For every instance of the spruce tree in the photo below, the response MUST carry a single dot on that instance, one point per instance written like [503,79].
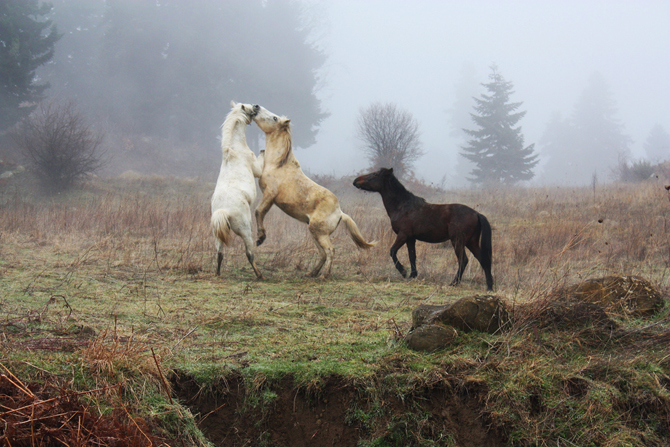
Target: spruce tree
[657,144]
[589,144]
[25,44]
[497,147]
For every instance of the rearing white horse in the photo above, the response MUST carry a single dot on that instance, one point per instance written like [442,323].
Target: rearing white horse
[236,187]
[284,184]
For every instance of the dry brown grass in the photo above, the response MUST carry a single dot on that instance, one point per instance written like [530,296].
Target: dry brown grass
[542,236]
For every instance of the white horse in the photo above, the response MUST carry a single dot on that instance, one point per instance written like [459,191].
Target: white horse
[284,184]
[236,187]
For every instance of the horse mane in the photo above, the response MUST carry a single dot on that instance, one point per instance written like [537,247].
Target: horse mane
[398,188]
[286,142]
[233,118]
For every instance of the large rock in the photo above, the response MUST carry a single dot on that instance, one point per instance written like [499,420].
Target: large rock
[631,295]
[479,313]
[430,337]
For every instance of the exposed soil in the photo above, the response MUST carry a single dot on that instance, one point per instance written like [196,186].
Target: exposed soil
[327,417]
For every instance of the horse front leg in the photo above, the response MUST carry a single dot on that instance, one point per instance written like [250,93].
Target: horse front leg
[459,248]
[399,242]
[411,251]
[258,164]
[261,210]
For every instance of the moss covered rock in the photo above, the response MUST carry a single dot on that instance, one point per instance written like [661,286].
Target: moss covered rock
[486,313]
[631,295]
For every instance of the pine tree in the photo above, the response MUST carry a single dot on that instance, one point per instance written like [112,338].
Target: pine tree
[25,43]
[590,143]
[497,147]
[169,69]
[657,144]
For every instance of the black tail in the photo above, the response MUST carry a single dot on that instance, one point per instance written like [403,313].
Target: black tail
[486,249]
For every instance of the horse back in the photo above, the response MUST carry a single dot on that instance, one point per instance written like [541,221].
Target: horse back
[433,223]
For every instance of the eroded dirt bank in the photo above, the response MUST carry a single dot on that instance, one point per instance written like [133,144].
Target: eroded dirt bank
[337,413]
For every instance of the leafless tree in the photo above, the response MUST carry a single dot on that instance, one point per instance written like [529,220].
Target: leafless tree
[390,137]
[58,146]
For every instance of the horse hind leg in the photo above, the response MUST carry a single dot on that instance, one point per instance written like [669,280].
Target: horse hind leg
[241,225]
[462,262]
[219,257]
[326,252]
[248,247]
[476,251]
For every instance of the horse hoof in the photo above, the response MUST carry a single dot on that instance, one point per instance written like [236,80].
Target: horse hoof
[413,275]
[260,241]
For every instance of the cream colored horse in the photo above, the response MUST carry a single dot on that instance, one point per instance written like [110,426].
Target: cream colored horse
[236,186]
[284,184]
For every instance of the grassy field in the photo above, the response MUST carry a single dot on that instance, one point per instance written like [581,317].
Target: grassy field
[114,286]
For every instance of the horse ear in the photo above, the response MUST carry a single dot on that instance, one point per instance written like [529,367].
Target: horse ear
[232,104]
[391,171]
[288,120]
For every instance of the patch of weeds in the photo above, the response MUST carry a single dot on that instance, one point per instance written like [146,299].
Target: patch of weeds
[366,420]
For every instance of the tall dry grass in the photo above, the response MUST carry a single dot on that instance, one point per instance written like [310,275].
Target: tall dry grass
[543,237]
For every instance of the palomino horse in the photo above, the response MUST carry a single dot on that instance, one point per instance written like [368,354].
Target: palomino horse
[236,187]
[284,184]
[412,219]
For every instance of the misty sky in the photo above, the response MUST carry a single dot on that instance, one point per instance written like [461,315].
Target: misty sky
[412,53]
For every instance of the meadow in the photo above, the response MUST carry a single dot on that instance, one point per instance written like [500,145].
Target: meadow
[112,288]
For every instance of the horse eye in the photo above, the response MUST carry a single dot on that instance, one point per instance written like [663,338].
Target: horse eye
[275,118]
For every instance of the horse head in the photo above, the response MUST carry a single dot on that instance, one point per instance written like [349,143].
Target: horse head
[269,122]
[278,130]
[249,111]
[374,181]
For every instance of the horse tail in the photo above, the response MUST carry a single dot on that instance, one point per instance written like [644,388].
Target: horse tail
[355,233]
[221,226]
[485,241]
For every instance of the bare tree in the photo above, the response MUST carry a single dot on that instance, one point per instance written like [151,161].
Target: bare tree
[390,137]
[58,146]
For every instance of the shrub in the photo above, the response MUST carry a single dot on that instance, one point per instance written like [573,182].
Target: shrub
[638,171]
[58,146]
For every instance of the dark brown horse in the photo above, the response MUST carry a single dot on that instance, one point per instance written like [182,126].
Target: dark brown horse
[412,219]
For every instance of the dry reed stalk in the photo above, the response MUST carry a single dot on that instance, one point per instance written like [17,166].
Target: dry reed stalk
[32,419]
[102,355]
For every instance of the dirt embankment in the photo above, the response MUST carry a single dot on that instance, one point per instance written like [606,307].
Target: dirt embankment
[338,414]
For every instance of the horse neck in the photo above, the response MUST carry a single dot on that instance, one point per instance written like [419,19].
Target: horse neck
[233,131]
[279,148]
[395,195]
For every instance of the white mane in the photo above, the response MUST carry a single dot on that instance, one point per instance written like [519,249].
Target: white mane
[234,118]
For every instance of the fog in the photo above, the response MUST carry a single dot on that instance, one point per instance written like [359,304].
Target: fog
[160,75]
[413,53]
